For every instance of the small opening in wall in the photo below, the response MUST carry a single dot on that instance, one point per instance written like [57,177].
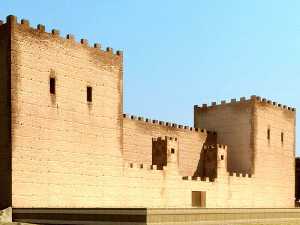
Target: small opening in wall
[222,157]
[282,137]
[269,134]
[198,199]
[172,151]
[89,94]
[52,85]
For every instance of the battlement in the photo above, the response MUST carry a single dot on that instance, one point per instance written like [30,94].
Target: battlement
[166,138]
[143,170]
[144,167]
[191,178]
[215,146]
[208,179]
[141,166]
[54,33]
[147,167]
[247,175]
[166,124]
[253,98]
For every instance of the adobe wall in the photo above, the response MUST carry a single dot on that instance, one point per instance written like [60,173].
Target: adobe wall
[232,122]
[274,158]
[68,153]
[273,161]
[137,143]
[5,140]
[167,188]
[65,150]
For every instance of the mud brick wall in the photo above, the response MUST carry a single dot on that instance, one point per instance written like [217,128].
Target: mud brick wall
[63,151]
[233,125]
[137,143]
[275,157]
[244,127]
[64,148]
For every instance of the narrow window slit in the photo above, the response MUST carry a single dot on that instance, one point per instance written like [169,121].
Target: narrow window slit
[52,85]
[89,94]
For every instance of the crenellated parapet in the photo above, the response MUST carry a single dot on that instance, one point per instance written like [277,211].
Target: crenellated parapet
[241,175]
[166,138]
[40,30]
[205,179]
[140,166]
[146,169]
[253,98]
[167,124]
[214,146]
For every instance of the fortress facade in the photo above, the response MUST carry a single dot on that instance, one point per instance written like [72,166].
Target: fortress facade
[66,142]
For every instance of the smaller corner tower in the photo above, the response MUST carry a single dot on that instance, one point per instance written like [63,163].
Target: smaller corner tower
[164,151]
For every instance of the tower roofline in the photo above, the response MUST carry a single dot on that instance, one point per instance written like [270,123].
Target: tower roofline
[253,98]
[55,33]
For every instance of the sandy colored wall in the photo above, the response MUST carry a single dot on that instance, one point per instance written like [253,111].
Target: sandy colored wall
[5,143]
[233,125]
[65,150]
[68,153]
[275,160]
[167,188]
[272,162]
[138,142]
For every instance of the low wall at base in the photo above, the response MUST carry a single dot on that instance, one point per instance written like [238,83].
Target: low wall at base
[143,216]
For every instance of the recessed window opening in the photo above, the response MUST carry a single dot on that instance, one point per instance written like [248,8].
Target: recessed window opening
[269,134]
[282,137]
[222,157]
[89,94]
[52,85]
[198,199]
[172,151]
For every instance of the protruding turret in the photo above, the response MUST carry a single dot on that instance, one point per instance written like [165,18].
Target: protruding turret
[164,151]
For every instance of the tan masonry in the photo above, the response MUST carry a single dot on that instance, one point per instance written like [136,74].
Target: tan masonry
[73,147]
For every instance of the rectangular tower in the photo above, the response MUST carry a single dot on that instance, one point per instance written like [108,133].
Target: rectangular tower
[61,119]
[260,135]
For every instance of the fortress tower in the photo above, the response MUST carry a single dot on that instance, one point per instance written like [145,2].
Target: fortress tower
[260,135]
[61,107]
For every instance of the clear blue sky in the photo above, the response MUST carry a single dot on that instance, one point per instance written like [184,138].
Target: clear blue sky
[182,53]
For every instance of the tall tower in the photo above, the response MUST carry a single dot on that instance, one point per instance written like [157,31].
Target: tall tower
[61,106]
[260,135]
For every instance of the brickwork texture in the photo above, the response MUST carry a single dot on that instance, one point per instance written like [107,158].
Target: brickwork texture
[72,146]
